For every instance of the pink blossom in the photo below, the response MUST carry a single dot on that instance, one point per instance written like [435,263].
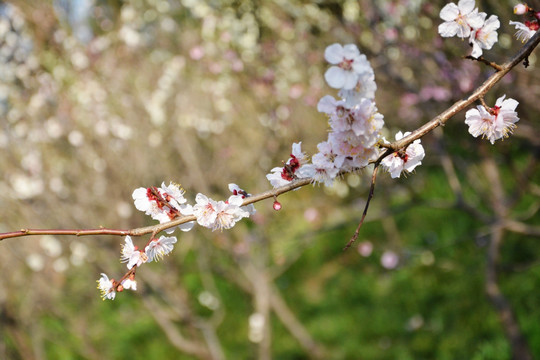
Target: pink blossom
[389,260]
[328,156]
[365,248]
[350,146]
[323,170]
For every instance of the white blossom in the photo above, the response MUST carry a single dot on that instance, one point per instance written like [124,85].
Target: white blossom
[236,190]
[404,160]
[324,169]
[129,284]
[205,210]
[494,124]
[526,30]
[332,107]
[173,194]
[219,214]
[460,19]
[521,9]
[141,200]
[164,204]
[275,178]
[106,287]
[327,156]
[484,37]
[229,213]
[297,154]
[351,147]
[280,176]
[157,248]
[131,254]
[349,63]
[365,88]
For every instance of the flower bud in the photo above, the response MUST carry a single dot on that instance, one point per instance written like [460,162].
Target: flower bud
[277,205]
[521,9]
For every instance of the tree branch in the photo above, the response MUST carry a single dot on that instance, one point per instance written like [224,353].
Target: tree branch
[443,117]
[437,121]
[518,343]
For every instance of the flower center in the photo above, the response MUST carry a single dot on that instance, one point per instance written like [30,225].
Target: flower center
[346,64]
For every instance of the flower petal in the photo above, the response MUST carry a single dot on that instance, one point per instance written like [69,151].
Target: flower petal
[334,53]
[335,77]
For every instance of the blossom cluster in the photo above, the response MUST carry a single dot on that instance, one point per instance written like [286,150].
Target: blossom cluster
[163,204]
[526,29]
[355,123]
[168,203]
[465,21]
[134,257]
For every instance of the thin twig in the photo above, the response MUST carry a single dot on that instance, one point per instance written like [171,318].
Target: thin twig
[370,196]
[485,61]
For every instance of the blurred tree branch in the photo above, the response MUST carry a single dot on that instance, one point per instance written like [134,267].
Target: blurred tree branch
[518,343]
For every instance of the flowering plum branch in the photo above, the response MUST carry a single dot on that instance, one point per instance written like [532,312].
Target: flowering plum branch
[354,142]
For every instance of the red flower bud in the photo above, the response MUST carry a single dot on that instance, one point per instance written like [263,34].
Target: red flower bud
[277,205]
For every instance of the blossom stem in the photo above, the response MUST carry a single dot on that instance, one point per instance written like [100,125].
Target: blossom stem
[483,102]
